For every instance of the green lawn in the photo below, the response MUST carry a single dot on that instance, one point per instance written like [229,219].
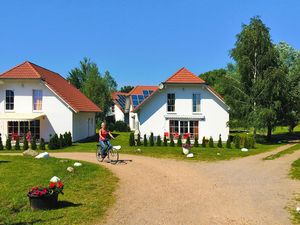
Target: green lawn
[295,174]
[88,191]
[284,152]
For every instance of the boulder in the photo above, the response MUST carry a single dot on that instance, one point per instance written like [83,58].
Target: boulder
[185,151]
[54,179]
[44,155]
[244,149]
[191,155]
[70,169]
[30,152]
[77,164]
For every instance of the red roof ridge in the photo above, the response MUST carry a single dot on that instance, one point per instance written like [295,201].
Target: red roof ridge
[183,75]
[31,65]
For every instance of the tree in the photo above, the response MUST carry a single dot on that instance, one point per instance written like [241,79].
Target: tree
[151,139]
[25,144]
[158,141]
[179,141]
[126,89]
[138,141]
[8,144]
[131,139]
[172,144]
[196,142]
[145,140]
[220,143]
[203,142]
[111,82]
[211,142]
[260,91]
[214,78]
[42,144]
[17,144]
[165,141]
[1,143]
[228,143]
[33,144]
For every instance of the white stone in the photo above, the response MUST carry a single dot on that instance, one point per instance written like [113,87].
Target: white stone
[70,169]
[298,209]
[218,153]
[185,151]
[117,147]
[191,155]
[77,164]
[244,149]
[54,179]
[44,155]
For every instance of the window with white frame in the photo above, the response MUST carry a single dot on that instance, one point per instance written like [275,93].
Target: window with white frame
[171,102]
[196,102]
[9,99]
[184,127]
[37,100]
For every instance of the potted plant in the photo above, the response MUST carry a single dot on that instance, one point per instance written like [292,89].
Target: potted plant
[186,148]
[45,197]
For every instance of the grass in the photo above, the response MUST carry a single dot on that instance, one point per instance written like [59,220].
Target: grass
[283,153]
[295,174]
[88,191]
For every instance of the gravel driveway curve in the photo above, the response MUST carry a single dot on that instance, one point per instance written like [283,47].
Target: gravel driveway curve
[165,191]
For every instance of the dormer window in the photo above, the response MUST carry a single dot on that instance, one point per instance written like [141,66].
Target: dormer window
[9,99]
[37,100]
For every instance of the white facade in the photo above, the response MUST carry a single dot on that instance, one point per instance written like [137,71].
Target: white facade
[119,114]
[55,117]
[213,117]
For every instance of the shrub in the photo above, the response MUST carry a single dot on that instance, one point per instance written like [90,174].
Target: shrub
[33,144]
[237,142]
[220,144]
[158,141]
[172,144]
[1,143]
[145,140]
[54,142]
[8,144]
[228,142]
[203,142]
[131,139]
[165,141]
[138,141]
[179,141]
[188,140]
[25,144]
[252,142]
[69,140]
[61,141]
[42,144]
[211,142]
[17,145]
[121,126]
[196,143]
[151,139]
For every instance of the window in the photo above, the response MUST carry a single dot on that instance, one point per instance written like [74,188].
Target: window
[184,127]
[24,127]
[171,102]
[9,99]
[35,129]
[12,128]
[37,99]
[196,102]
[194,129]
[174,127]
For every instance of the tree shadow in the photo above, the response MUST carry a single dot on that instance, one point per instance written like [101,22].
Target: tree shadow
[4,161]
[66,204]
[35,221]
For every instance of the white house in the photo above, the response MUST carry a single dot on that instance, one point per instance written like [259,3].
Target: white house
[37,99]
[183,104]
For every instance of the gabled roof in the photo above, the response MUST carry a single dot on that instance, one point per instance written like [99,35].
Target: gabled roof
[60,86]
[138,91]
[118,99]
[184,76]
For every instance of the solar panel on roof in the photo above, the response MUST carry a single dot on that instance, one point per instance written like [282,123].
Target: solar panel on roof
[146,93]
[141,98]
[134,97]
[150,92]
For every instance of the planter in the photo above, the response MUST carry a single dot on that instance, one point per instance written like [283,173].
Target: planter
[43,203]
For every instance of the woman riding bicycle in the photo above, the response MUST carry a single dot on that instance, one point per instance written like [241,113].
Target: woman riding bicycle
[104,141]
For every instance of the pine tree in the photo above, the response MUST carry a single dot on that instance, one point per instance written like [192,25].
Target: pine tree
[158,141]
[151,139]
[17,145]
[211,142]
[33,144]
[188,140]
[131,139]
[138,141]
[70,142]
[237,142]
[165,141]
[145,140]
[1,143]
[179,141]
[8,144]
[228,143]
[42,144]
[172,144]
[196,143]
[203,142]
[246,143]
[220,144]
[25,144]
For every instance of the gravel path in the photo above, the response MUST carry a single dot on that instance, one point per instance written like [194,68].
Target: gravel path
[165,191]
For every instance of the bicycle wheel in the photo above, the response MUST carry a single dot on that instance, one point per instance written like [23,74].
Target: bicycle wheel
[113,156]
[98,153]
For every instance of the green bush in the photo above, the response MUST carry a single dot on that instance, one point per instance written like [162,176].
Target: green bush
[54,142]
[145,140]
[228,142]
[237,141]
[42,144]
[196,143]
[121,126]
[61,141]
[158,141]
[151,139]
[179,141]
[131,139]
[165,141]
[17,145]
[246,143]
[188,141]
[172,144]
[8,144]
[25,144]
[33,144]
[220,144]
[1,143]
[211,142]
[138,141]
[69,139]
[203,142]
[252,142]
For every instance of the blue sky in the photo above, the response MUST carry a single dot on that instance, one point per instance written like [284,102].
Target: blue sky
[139,42]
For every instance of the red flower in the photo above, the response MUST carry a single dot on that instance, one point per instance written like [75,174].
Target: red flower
[52,185]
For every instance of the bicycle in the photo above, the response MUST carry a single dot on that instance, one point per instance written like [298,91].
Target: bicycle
[112,154]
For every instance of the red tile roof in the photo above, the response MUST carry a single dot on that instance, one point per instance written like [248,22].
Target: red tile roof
[115,97]
[138,90]
[184,76]
[66,91]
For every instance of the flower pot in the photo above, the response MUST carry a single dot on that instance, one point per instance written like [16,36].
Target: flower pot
[44,202]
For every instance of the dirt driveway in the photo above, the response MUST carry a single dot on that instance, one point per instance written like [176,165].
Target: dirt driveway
[164,191]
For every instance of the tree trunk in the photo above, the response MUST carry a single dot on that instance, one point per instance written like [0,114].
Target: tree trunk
[269,135]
